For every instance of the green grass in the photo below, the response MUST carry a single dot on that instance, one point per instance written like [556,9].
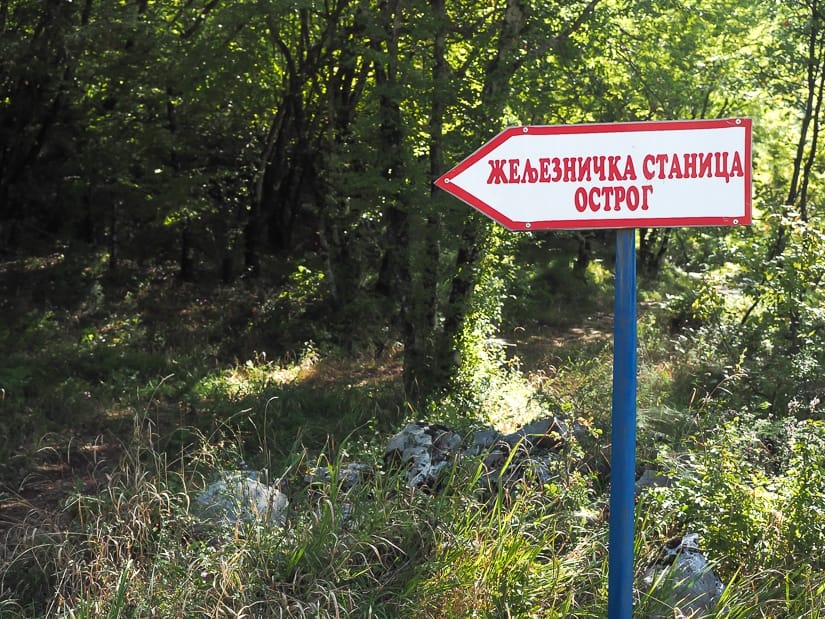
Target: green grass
[104,387]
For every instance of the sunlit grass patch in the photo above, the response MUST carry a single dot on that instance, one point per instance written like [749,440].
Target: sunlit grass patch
[254,375]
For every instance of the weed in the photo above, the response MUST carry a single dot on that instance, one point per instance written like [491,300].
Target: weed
[748,482]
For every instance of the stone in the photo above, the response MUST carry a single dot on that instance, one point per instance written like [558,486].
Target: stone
[651,479]
[547,433]
[536,445]
[681,584]
[482,441]
[349,477]
[424,450]
[526,455]
[238,497]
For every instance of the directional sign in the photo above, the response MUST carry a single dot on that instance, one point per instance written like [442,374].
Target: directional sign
[624,176]
[620,175]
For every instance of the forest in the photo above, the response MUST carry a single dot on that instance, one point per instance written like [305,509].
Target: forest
[222,248]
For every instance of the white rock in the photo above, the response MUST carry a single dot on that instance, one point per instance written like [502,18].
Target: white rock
[240,496]
[425,450]
[682,581]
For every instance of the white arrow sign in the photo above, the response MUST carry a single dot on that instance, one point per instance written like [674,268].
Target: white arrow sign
[624,175]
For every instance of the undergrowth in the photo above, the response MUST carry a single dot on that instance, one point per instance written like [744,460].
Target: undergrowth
[747,480]
[139,548]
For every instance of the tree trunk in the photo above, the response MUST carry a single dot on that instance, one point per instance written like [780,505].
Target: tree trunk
[442,358]
[187,266]
[113,232]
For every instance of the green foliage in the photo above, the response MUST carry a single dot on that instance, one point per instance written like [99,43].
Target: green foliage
[482,354]
[749,485]
[802,490]
[751,488]
[149,150]
[732,498]
[755,319]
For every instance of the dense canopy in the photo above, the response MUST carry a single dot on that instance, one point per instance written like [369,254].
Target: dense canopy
[220,135]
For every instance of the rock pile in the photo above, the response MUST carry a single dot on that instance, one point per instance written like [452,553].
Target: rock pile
[681,583]
[421,452]
[424,452]
[526,454]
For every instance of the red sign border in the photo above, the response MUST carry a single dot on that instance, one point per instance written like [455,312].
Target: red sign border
[628,127]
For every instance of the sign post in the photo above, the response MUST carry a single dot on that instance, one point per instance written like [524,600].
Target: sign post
[623,432]
[619,176]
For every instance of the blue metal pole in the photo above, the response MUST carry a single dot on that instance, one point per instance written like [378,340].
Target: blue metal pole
[623,452]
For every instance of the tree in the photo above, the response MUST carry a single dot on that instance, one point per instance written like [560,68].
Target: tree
[37,121]
[215,136]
